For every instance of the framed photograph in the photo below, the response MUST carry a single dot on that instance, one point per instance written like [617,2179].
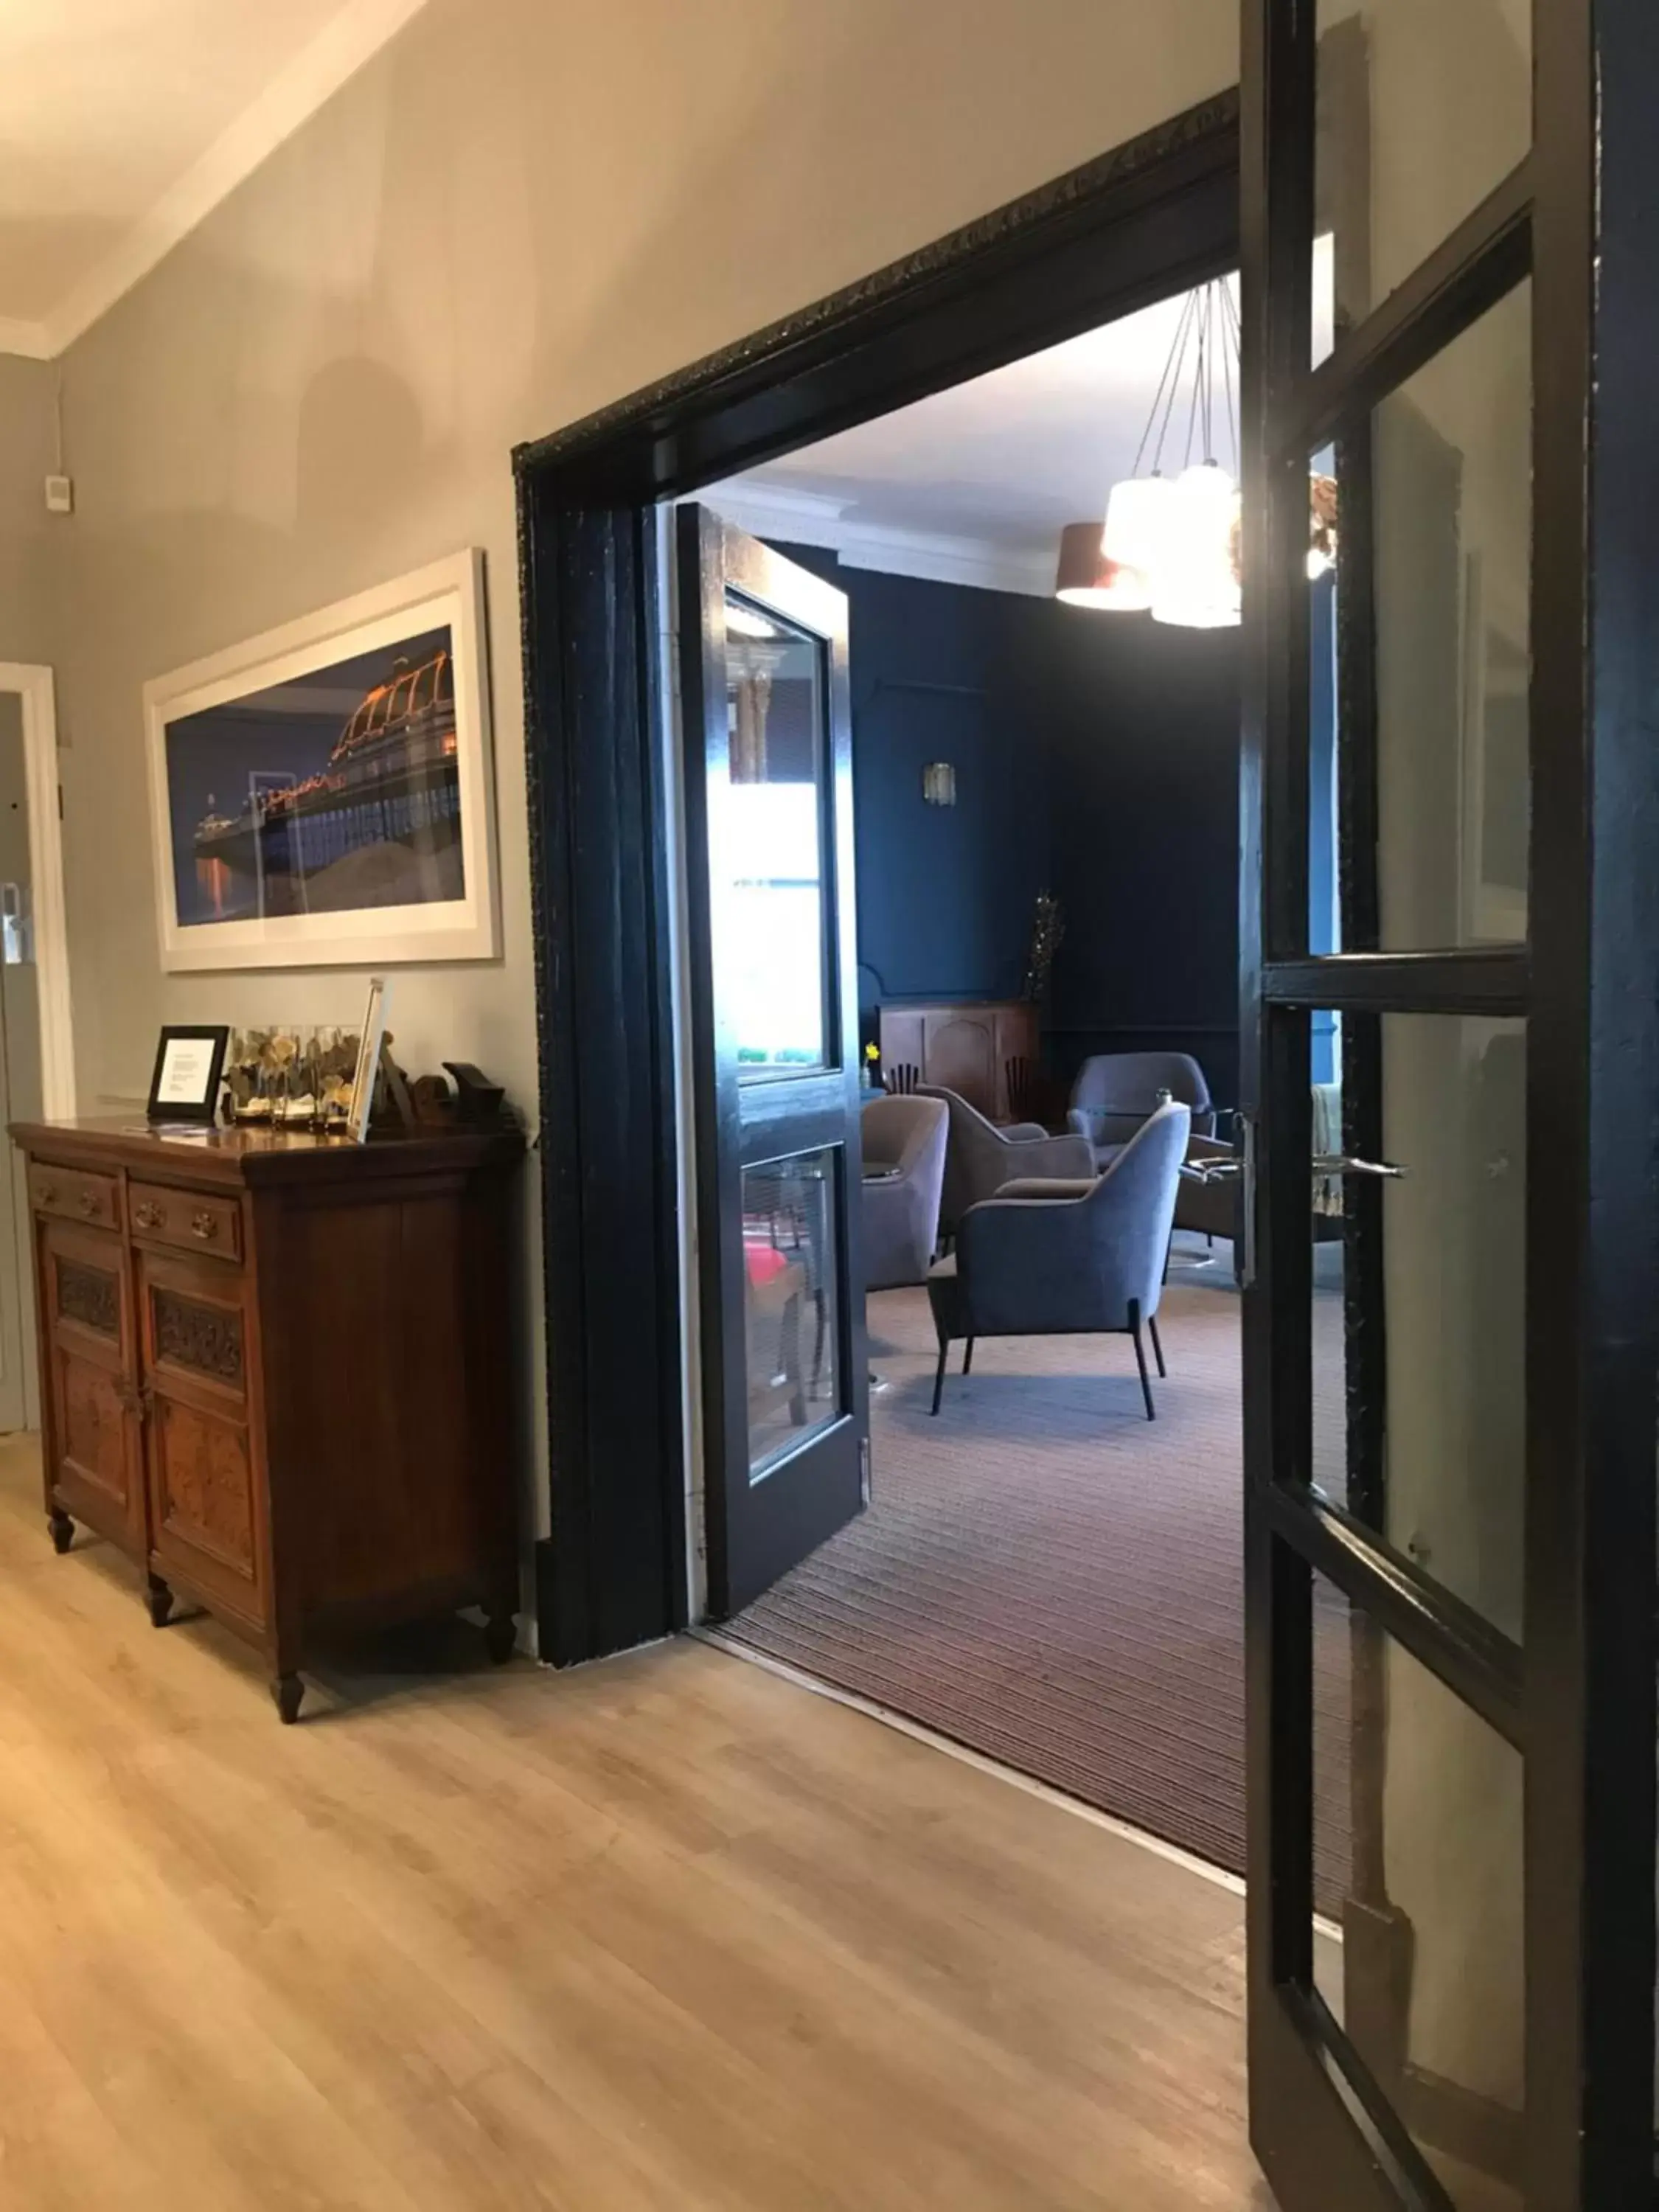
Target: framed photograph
[188,1065]
[368,1058]
[324,794]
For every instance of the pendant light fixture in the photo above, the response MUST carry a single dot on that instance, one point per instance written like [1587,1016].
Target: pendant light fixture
[1171,543]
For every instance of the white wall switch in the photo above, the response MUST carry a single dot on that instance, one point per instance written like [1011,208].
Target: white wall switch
[60,496]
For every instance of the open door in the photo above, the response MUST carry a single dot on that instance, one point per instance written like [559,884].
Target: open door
[774,1012]
[1450,1452]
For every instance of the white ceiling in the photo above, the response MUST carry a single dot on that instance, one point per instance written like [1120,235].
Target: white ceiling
[975,485]
[125,121]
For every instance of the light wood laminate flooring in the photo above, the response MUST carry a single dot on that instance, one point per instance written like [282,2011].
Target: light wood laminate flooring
[667,1933]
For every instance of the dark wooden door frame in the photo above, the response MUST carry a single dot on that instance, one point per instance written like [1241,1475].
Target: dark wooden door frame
[1153,217]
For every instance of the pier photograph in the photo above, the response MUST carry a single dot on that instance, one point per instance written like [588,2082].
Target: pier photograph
[335,790]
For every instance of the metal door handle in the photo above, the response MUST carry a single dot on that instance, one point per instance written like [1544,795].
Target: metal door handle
[1340,1164]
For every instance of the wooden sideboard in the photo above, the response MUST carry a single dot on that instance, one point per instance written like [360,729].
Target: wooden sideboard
[273,1372]
[966,1047]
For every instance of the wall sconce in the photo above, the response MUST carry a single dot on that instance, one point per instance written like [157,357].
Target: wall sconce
[938,784]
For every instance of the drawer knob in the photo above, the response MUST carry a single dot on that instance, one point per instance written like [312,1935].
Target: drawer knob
[88,1202]
[48,1194]
[204,1226]
[148,1216]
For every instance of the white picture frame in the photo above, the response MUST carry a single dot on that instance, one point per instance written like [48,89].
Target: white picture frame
[449,595]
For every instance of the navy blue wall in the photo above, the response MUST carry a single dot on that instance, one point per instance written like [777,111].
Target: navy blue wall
[1095,756]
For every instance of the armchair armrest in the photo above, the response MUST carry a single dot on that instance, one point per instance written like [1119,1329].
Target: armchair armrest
[1048,1187]
[1022,1132]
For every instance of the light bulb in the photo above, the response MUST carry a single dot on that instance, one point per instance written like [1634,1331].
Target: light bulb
[1194,586]
[1138,518]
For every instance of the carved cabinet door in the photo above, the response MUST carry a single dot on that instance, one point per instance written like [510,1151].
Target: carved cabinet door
[205,1508]
[92,1412]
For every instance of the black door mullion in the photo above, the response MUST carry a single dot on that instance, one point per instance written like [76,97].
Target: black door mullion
[1474,1659]
[1475,982]
[1487,256]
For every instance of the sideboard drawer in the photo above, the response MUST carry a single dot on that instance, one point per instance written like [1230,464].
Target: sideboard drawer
[188,1220]
[75,1195]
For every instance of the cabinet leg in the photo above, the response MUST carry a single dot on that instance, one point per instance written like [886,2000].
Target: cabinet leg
[61,1527]
[288,1689]
[160,1602]
[501,1637]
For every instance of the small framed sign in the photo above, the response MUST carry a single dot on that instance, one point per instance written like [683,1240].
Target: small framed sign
[185,1084]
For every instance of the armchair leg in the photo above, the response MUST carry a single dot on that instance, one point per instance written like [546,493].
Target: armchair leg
[1140,1358]
[938,1378]
[1158,1348]
[968,1358]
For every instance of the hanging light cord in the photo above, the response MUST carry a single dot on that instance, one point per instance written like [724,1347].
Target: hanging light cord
[1208,324]
[1169,385]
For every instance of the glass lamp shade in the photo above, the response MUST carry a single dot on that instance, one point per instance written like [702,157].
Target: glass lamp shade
[1194,586]
[1138,519]
[1086,578]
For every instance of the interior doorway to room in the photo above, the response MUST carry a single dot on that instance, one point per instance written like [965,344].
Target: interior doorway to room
[1377,2079]
[1044,1574]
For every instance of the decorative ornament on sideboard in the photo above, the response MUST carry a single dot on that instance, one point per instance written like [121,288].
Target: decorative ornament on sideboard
[1048,929]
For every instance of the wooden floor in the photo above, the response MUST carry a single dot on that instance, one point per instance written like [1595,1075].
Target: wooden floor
[667,1933]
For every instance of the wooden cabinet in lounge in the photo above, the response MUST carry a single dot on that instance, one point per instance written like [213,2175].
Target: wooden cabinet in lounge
[971,1048]
[273,1373]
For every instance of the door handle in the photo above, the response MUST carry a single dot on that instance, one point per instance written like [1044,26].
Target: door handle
[1341,1163]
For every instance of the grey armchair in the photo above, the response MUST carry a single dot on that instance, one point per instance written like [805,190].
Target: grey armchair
[1115,1092]
[1068,1258]
[981,1157]
[905,1137]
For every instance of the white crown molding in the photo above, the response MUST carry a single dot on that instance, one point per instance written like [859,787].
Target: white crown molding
[28,339]
[315,73]
[808,518]
[979,563]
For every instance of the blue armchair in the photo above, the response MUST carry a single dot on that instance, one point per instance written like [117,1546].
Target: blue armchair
[1115,1092]
[1066,1258]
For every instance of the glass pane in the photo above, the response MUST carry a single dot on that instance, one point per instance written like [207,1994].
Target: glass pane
[1417,1856]
[1423,108]
[1426,615]
[790,1302]
[1419,1304]
[767,856]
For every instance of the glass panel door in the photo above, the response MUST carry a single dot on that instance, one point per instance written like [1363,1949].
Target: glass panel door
[769,848]
[1451,974]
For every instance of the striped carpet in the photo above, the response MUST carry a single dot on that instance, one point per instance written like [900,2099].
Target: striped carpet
[1046,1577]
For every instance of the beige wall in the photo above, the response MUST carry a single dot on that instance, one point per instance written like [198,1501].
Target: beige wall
[518,212]
[27,531]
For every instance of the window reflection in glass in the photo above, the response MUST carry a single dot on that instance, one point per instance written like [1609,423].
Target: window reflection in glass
[790,1278]
[767,856]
